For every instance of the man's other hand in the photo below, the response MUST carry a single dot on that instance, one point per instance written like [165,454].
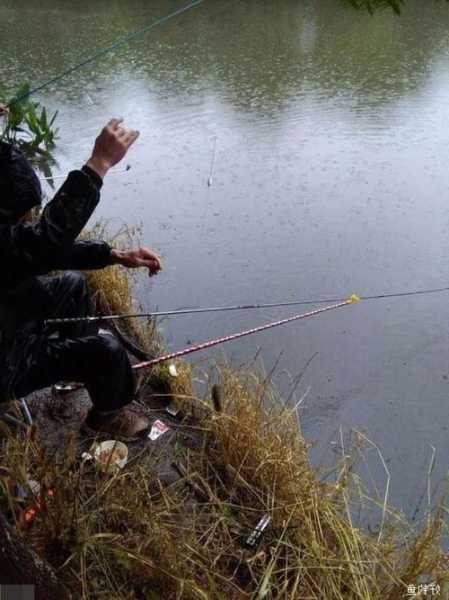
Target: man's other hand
[142,257]
[111,146]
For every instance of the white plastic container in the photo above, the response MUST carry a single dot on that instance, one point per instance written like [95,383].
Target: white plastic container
[111,455]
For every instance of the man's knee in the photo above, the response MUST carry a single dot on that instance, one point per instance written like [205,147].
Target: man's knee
[75,281]
[111,351]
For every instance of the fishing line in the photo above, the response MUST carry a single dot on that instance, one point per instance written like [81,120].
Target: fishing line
[209,184]
[212,164]
[111,172]
[211,309]
[120,42]
[228,338]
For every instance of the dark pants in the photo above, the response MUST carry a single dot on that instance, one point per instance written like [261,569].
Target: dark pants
[37,361]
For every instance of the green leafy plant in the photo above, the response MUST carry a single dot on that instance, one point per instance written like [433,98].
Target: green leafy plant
[28,124]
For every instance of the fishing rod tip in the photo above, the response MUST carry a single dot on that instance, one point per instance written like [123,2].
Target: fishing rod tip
[354,298]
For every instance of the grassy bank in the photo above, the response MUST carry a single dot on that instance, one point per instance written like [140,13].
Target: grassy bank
[134,536]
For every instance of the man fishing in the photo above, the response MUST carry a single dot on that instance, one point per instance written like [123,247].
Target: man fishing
[32,357]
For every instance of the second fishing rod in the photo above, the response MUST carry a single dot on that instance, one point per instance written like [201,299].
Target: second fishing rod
[236,307]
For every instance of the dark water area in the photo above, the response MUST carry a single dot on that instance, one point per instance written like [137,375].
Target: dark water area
[330,177]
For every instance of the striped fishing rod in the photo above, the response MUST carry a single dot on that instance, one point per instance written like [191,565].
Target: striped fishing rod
[235,336]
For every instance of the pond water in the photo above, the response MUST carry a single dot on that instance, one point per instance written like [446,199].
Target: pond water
[331,176]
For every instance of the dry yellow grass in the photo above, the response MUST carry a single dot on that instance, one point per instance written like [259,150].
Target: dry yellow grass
[128,536]
[112,292]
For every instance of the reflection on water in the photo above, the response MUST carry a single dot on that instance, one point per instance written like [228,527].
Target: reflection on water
[330,177]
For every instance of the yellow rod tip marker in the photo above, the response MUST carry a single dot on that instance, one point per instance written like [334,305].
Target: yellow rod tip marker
[354,298]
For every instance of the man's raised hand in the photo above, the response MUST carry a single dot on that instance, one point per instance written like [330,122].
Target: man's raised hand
[111,146]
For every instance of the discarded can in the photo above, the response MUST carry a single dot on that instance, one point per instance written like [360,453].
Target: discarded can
[256,535]
[173,410]
[65,387]
[158,429]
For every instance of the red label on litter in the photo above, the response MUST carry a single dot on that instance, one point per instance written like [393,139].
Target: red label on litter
[158,429]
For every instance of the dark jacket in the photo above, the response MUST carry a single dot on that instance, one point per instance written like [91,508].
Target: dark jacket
[20,188]
[31,249]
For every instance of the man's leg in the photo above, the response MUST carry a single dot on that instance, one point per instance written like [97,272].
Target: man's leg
[99,362]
